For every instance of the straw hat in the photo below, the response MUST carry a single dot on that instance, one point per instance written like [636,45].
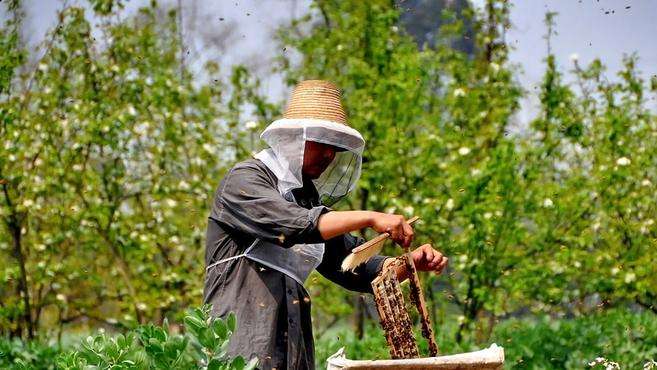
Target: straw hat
[316,99]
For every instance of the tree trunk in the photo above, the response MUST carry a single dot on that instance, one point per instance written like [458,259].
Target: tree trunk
[360,317]
[14,226]
[23,290]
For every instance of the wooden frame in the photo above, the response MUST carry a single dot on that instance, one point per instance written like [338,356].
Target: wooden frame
[393,316]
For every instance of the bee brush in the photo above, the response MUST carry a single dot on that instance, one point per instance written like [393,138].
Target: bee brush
[367,250]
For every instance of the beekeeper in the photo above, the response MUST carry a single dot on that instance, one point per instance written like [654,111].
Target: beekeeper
[270,226]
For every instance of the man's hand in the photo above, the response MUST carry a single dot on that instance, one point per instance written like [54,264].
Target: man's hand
[395,225]
[428,259]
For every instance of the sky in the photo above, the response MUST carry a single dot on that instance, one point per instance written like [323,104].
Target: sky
[586,29]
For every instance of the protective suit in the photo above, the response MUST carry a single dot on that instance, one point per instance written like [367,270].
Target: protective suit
[263,242]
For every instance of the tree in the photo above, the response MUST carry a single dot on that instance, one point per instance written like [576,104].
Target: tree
[110,154]
[435,124]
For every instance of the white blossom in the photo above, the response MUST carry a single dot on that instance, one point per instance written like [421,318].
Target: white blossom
[171,202]
[609,365]
[646,182]
[142,128]
[131,74]
[207,147]
[630,277]
[141,306]
[464,150]
[28,203]
[547,203]
[449,204]
[488,215]
[61,297]
[623,161]
[459,92]
[251,125]
[183,185]
[198,161]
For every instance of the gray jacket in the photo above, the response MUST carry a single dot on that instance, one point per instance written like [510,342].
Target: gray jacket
[272,309]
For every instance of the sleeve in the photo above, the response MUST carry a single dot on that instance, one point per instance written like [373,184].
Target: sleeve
[360,279]
[248,202]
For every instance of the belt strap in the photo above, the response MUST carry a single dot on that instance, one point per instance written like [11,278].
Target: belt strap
[233,257]
[225,260]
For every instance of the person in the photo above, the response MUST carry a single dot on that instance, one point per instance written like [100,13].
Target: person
[271,224]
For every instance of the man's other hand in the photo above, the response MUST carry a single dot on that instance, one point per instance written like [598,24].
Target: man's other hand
[428,259]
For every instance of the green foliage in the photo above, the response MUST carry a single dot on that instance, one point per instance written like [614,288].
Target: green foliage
[621,336]
[110,154]
[551,215]
[624,337]
[155,347]
[111,150]
[17,354]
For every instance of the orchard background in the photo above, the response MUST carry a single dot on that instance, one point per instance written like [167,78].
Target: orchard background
[112,146]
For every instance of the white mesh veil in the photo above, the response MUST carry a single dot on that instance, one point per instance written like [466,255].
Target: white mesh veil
[287,139]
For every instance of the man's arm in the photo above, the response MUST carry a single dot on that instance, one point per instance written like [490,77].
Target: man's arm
[336,223]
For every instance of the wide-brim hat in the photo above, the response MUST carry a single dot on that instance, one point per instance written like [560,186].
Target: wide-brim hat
[317,99]
[315,105]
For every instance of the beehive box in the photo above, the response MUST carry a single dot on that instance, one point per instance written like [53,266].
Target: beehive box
[397,326]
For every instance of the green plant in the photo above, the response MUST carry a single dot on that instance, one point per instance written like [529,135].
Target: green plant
[16,354]
[203,346]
